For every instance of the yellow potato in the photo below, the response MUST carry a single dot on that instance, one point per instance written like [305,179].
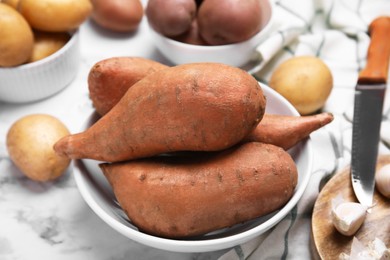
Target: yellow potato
[305,81]
[30,143]
[13,3]
[55,15]
[47,43]
[16,37]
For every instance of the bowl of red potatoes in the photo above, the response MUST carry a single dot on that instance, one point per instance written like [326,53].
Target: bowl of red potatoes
[225,31]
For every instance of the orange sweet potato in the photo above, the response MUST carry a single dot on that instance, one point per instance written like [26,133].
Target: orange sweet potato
[190,107]
[109,79]
[287,131]
[178,197]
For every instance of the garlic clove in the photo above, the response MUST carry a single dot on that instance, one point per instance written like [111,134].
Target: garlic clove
[382,180]
[344,256]
[385,255]
[347,217]
[359,251]
[376,250]
[377,246]
[379,249]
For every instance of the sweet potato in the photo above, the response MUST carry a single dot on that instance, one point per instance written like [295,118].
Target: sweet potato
[190,107]
[109,79]
[287,131]
[186,196]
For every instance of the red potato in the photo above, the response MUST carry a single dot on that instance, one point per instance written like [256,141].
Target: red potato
[287,131]
[190,107]
[230,21]
[178,197]
[118,15]
[191,36]
[109,79]
[171,17]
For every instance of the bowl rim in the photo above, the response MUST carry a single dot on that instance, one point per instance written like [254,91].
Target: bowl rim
[205,245]
[72,40]
[258,35]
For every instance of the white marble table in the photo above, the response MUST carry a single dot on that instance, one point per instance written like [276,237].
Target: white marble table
[51,220]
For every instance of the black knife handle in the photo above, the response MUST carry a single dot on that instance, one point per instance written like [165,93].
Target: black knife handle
[378,52]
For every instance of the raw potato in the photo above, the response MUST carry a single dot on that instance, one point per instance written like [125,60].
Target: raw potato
[13,3]
[192,36]
[305,81]
[118,15]
[230,21]
[47,43]
[287,131]
[178,197]
[16,37]
[30,143]
[171,17]
[54,15]
[189,107]
[109,79]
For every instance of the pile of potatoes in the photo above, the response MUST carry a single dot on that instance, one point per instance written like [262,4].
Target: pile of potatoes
[211,22]
[188,149]
[33,30]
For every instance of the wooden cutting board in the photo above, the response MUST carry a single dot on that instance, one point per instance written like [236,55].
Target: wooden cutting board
[326,241]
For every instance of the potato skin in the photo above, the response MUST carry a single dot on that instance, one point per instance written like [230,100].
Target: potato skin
[30,143]
[55,16]
[192,36]
[286,131]
[171,17]
[177,197]
[303,74]
[13,3]
[189,107]
[118,15]
[229,21]
[17,38]
[109,79]
[47,43]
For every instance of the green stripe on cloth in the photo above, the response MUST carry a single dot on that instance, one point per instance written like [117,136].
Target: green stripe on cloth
[239,252]
[294,215]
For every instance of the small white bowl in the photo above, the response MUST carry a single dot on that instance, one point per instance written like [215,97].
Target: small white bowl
[42,78]
[98,194]
[237,54]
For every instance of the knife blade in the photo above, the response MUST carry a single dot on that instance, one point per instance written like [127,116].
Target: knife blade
[368,108]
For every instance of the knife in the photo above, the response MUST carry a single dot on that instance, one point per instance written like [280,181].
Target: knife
[368,108]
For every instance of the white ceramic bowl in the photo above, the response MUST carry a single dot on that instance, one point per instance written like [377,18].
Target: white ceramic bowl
[237,54]
[43,78]
[98,194]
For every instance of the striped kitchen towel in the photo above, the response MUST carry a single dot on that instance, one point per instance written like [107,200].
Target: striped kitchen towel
[336,32]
